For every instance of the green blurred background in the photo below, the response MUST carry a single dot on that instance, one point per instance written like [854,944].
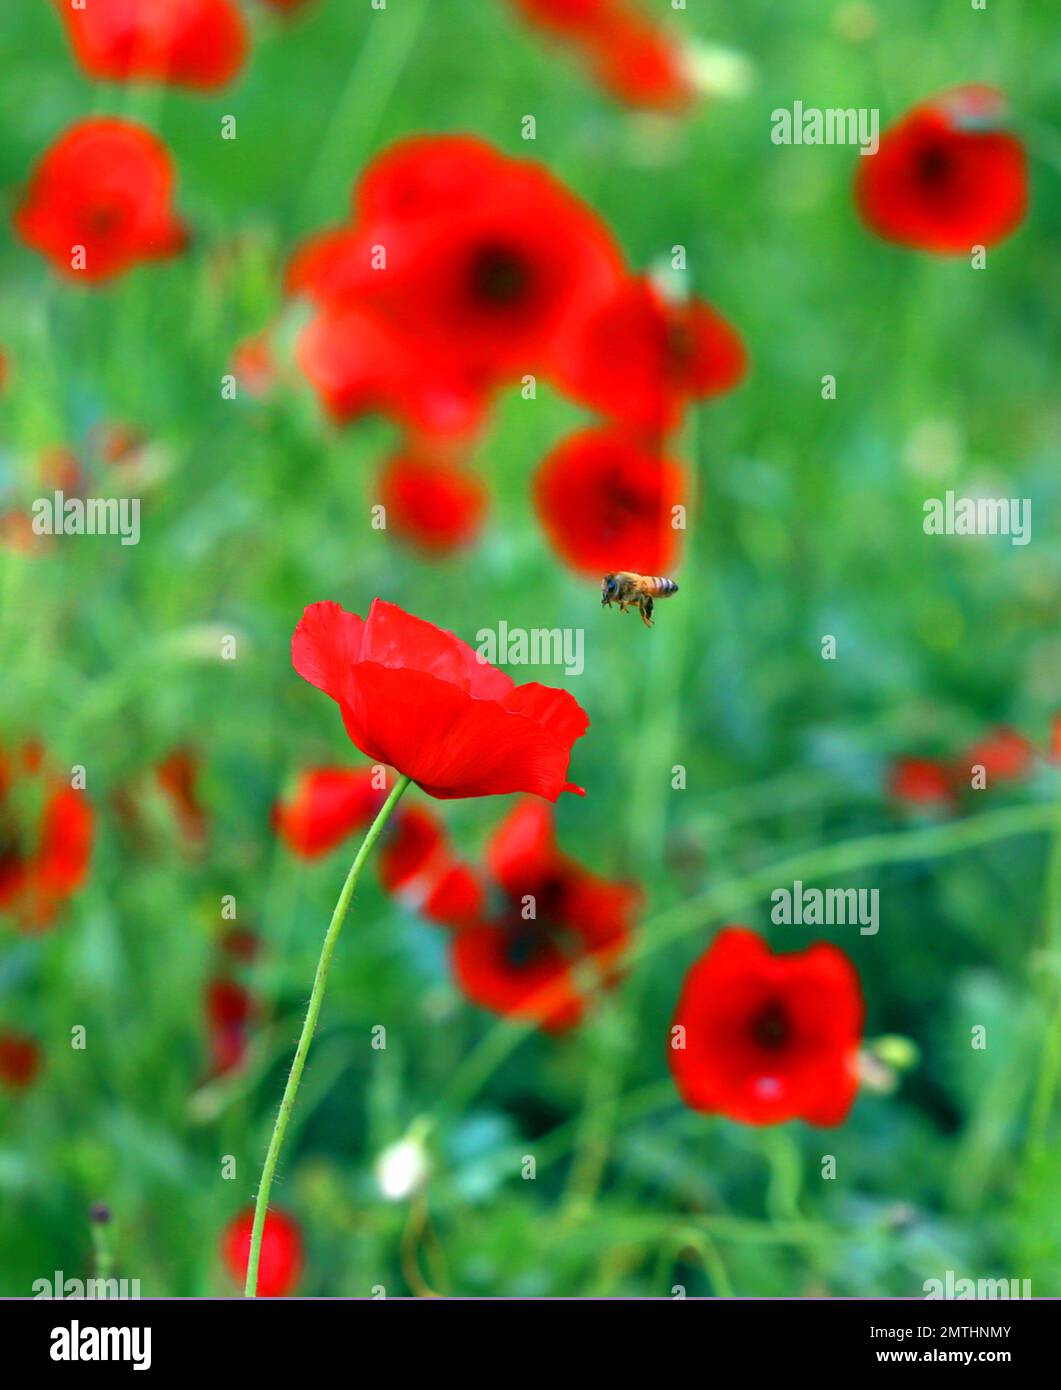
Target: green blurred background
[809,523]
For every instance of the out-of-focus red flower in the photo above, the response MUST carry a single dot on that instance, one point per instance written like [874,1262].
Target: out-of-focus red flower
[921,782]
[462,258]
[230,1009]
[436,506]
[765,1038]
[286,6]
[557,920]
[100,201]
[280,1259]
[239,944]
[327,805]
[20,1060]
[416,698]
[254,366]
[189,43]
[118,443]
[418,865]
[642,358]
[606,502]
[1005,755]
[178,777]
[636,60]
[359,362]
[17,535]
[948,176]
[1055,739]
[45,839]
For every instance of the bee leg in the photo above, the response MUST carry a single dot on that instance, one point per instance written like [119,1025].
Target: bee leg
[647,607]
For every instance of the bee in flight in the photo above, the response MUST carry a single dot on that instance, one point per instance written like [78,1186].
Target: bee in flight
[631,590]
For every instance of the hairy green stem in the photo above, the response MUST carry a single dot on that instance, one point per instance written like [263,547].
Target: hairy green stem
[316,998]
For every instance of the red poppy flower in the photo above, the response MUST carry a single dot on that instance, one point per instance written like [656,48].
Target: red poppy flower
[489,261]
[606,503]
[765,1038]
[1055,739]
[20,1060]
[947,176]
[1005,756]
[280,1259]
[100,201]
[285,6]
[360,363]
[436,506]
[418,699]
[418,865]
[230,1009]
[45,839]
[634,59]
[921,782]
[642,358]
[328,804]
[190,43]
[178,776]
[530,958]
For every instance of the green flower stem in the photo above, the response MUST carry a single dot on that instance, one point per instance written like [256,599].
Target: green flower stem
[316,998]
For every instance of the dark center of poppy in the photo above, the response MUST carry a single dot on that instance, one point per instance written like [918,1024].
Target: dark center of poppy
[499,276]
[771,1027]
[681,346]
[934,164]
[103,218]
[528,939]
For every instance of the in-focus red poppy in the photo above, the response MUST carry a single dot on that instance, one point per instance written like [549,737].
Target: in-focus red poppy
[100,201]
[359,363]
[1005,756]
[606,502]
[436,506]
[328,804]
[766,1038]
[281,1259]
[921,782]
[178,777]
[416,698]
[189,43]
[557,932]
[45,839]
[641,358]
[418,865]
[485,262]
[947,177]
[230,1009]
[20,1060]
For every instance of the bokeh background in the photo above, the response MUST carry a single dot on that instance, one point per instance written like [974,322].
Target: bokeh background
[809,523]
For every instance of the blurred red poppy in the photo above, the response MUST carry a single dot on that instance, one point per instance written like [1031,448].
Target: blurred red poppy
[100,201]
[281,1259]
[327,805]
[633,58]
[642,358]
[178,777]
[254,366]
[418,865]
[921,782]
[766,1038]
[230,1009]
[1005,756]
[463,260]
[189,43]
[947,177]
[606,502]
[436,506]
[45,839]
[418,699]
[20,1060]
[558,924]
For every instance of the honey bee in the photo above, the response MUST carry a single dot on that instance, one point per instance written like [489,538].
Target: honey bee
[639,591]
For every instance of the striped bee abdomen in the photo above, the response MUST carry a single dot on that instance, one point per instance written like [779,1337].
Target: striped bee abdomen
[659,587]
